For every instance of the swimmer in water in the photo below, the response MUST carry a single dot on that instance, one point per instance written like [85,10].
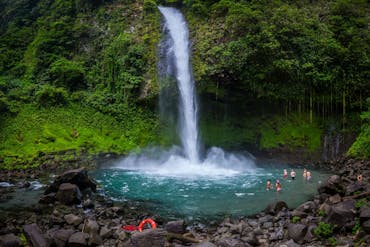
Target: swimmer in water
[268,185]
[305,174]
[285,174]
[292,174]
[278,185]
[308,176]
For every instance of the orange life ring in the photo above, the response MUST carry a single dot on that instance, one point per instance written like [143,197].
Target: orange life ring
[150,221]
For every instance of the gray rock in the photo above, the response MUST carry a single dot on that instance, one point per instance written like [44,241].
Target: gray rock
[77,176]
[297,232]
[72,219]
[366,226]
[267,225]
[91,226]
[10,240]
[310,236]
[365,213]
[60,237]
[68,194]
[177,226]
[149,237]
[335,199]
[47,199]
[264,219]
[105,232]
[341,213]
[231,242]
[307,207]
[78,239]
[355,187]
[275,207]
[203,244]
[34,236]
[291,243]
[332,186]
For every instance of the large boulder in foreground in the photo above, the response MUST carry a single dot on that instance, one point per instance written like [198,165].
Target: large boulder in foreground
[149,237]
[35,236]
[78,177]
[10,240]
[68,194]
[342,213]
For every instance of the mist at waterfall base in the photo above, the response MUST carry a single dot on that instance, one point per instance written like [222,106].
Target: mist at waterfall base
[180,181]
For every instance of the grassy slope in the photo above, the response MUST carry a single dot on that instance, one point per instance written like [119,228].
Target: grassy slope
[77,127]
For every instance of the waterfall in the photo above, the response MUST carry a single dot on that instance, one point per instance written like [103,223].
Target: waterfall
[184,161]
[178,50]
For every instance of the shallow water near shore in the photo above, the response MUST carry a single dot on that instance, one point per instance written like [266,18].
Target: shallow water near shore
[214,196]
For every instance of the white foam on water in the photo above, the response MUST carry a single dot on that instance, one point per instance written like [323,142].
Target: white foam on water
[6,184]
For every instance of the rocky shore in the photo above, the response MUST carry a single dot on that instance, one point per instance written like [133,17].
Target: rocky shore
[71,213]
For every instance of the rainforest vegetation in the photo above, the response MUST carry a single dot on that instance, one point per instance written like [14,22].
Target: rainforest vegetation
[82,74]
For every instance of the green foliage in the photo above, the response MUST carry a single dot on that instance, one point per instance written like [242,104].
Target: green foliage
[357,227]
[332,241]
[68,74]
[323,230]
[74,127]
[51,96]
[361,202]
[292,133]
[296,219]
[361,147]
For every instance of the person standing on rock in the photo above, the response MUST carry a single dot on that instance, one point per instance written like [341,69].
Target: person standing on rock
[292,174]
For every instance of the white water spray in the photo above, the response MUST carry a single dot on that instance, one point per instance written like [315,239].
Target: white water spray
[178,30]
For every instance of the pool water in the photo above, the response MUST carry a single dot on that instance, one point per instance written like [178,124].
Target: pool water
[192,197]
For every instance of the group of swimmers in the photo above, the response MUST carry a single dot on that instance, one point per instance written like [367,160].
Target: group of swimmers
[306,176]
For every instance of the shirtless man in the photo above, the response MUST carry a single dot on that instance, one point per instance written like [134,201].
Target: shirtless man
[292,174]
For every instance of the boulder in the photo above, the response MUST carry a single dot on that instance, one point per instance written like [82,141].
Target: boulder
[105,232]
[68,194]
[365,213]
[341,213]
[34,236]
[335,199]
[366,226]
[297,232]
[227,242]
[78,177]
[290,243]
[78,239]
[72,219]
[355,187]
[304,209]
[310,236]
[332,186]
[47,199]
[149,237]
[60,237]
[10,240]
[92,228]
[177,226]
[275,207]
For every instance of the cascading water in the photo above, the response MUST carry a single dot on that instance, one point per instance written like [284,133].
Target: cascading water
[179,49]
